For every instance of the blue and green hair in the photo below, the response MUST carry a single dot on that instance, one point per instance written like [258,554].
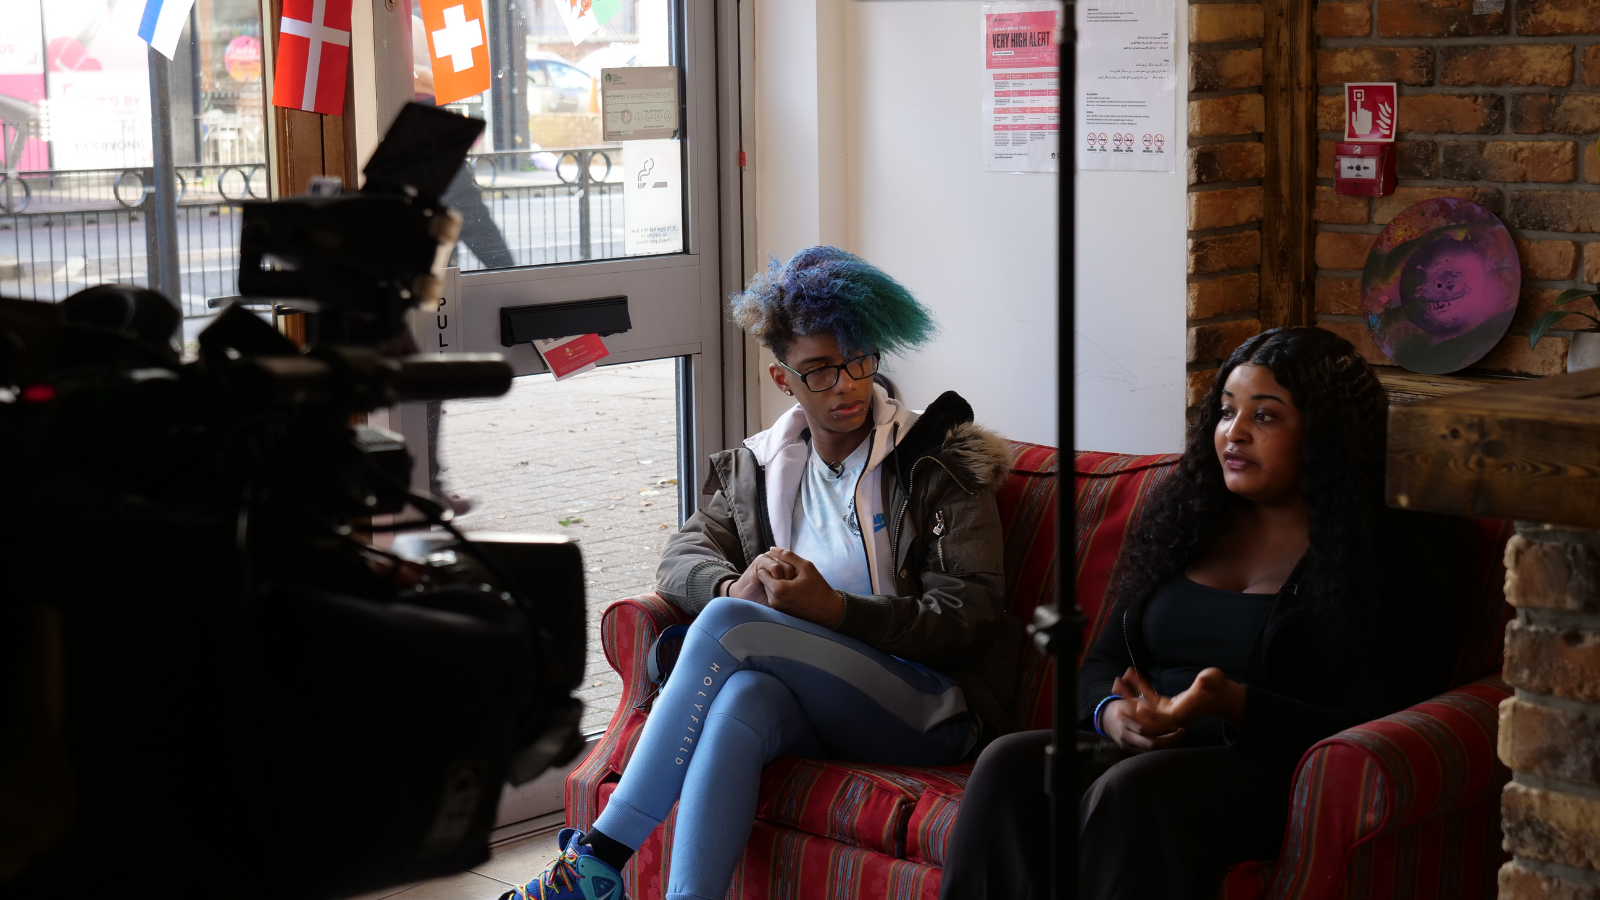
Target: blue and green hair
[824,290]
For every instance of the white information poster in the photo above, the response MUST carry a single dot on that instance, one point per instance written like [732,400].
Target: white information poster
[1021,87]
[652,197]
[1127,85]
[639,103]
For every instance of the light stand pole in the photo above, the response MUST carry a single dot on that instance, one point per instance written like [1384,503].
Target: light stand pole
[1059,628]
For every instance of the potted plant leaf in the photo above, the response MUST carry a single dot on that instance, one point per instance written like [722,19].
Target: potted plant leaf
[1585,350]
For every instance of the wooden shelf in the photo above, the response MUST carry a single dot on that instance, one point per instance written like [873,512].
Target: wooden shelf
[1408,387]
[1527,448]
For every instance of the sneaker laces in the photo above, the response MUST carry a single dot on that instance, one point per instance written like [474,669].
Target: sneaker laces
[564,867]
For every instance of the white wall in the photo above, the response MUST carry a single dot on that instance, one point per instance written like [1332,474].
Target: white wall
[868,135]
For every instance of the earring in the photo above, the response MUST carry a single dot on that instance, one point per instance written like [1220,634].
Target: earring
[790,393]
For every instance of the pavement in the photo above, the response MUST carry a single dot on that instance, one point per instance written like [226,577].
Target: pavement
[592,458]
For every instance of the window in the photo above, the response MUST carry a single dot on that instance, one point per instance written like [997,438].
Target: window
[546,187]
[78,107]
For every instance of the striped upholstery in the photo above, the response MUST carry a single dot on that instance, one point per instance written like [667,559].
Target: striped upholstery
[1405,806]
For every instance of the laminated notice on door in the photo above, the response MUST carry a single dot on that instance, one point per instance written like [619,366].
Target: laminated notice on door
[639,103]
[568,356]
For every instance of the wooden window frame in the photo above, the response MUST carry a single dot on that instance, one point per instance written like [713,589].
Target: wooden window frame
[305,144]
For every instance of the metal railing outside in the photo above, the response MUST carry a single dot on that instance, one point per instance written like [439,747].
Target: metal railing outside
[63,231]
[49,256]
[549,206]
[84,189]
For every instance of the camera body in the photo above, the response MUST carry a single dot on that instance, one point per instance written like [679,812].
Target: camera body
[210,674]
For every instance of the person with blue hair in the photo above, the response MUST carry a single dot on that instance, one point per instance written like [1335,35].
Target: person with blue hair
[846,584]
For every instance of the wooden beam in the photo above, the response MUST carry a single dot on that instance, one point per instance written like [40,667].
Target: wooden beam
[1524,451]
[1407,387]
[1289,91]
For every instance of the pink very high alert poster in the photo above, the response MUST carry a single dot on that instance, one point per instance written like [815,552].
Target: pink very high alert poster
[1022,87]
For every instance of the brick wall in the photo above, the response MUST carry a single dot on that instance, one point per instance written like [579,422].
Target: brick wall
[1500,108]
[1226,162]
[1550,731]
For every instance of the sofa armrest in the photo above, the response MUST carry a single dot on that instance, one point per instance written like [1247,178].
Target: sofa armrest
[1428,761]
[628,628]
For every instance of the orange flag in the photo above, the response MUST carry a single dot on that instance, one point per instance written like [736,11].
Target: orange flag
[458,47]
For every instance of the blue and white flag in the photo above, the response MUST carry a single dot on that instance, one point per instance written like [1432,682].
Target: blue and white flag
[162,24]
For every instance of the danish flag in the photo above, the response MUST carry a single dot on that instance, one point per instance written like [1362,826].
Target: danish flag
[313,56]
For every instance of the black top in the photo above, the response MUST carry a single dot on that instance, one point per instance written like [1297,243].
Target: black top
[1189,627]
[1294,698]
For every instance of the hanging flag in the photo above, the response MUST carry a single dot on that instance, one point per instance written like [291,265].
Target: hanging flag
[584,17]
[313,56]
[458,48]
[162,24]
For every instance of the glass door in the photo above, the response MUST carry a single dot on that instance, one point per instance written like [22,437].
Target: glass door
[555,211]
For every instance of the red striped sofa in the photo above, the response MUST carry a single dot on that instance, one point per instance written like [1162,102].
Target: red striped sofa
[1407,806]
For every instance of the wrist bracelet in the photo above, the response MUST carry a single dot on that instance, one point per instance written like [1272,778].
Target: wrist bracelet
[1099,708]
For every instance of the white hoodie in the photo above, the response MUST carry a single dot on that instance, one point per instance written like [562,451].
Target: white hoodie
[782,453]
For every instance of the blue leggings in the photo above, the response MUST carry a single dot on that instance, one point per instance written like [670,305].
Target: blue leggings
[750,684]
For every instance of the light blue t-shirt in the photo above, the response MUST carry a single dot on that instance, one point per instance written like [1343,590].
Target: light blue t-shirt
[825,528]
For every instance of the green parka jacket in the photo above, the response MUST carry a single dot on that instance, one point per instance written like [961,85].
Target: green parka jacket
[946,608]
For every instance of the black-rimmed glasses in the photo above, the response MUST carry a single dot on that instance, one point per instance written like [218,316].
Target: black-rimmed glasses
[825,377]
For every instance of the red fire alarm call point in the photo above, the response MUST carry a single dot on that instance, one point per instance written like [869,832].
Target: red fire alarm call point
[1365,158]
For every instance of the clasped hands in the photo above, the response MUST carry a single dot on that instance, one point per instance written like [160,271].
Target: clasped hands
[788,583]
[1147,720]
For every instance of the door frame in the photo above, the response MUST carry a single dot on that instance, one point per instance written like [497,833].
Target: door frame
[691,323]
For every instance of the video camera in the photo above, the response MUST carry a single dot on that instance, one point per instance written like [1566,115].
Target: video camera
[213,681]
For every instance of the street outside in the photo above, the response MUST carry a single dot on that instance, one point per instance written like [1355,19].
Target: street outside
[592,458]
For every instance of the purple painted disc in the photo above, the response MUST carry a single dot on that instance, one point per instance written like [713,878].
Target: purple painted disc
[1441,285]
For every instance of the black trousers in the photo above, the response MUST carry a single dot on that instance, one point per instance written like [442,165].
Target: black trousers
[1164,825]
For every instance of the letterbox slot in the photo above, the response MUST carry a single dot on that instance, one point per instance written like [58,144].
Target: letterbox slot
[602,316]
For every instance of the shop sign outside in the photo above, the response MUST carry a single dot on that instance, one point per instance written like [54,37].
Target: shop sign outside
[97,114]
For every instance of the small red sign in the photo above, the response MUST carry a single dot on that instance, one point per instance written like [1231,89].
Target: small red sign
[1369,111]
[569,356]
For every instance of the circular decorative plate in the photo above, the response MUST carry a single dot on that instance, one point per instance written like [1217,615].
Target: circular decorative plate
[1441,286]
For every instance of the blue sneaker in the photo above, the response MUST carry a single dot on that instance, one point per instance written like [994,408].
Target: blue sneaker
[577,874]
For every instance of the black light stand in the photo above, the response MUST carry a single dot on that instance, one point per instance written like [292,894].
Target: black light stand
[1059,628]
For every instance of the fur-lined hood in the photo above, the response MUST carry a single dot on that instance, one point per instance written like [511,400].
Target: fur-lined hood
[973,455]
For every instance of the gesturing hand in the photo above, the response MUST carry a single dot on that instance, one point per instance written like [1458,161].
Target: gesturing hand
[801,591]
[749,587]
[1125,722]
[1148,717]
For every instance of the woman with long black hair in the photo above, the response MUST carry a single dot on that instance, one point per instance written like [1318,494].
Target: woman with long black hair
[1267,598]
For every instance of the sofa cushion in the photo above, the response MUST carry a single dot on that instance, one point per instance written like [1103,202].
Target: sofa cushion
[862,805]
[928,830]
[1027,502]
[784,864]
[1112,491]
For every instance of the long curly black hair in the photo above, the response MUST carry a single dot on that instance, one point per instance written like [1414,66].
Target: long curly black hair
[1365,559]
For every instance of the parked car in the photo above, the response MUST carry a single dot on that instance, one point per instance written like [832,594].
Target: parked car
[557,86]
[616,56]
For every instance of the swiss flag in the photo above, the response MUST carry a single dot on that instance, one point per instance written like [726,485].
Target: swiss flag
[458,47]
[313,56]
